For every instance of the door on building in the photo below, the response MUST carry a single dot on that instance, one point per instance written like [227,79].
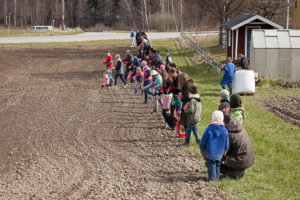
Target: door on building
[248,37]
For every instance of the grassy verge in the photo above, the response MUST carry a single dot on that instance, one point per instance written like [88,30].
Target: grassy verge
[275,174]
[22,32]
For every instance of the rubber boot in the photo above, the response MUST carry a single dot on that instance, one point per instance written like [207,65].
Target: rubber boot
[180,133]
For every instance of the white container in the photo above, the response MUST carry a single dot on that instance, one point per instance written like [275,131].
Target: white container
[244,82]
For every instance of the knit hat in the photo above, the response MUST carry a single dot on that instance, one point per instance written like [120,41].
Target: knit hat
[235,101]
[217,116]
[224,93]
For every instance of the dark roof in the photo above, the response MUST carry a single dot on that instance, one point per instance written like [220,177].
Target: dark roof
[247,18]
[237,20]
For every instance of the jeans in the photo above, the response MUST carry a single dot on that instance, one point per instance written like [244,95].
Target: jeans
[136,88]
[126,73]
[121,77]
[147,91]
[190,128]
[111,79]
[213,169]
[156,100]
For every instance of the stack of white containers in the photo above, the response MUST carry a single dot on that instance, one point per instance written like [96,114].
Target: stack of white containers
[244,82]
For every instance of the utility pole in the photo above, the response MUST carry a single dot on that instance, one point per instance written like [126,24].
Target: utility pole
[63,14]
[288,15]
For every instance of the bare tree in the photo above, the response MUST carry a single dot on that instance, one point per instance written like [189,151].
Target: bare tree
[172,3]
[15,12]
[146,15]
[181,14]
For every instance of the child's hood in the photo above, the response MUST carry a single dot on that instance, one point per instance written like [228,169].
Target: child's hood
[195,96]
[217,129]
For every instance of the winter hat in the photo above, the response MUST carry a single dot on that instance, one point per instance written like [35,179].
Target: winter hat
[224,93]
[235,101]
[154,72]
[193,90]
[217,116]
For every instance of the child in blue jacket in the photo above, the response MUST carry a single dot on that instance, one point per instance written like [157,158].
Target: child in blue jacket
[214,144]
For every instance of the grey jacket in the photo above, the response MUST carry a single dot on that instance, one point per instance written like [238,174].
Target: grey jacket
[240,155]
[194,110]
[119,67]
[185,99]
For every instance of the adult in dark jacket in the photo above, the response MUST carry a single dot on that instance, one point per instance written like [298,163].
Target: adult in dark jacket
[128,61]
[240,155]
[184,84]
[119,70]
[243,62]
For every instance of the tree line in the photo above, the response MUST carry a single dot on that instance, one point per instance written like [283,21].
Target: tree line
[162,15]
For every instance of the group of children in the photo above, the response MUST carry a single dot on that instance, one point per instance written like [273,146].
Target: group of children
[174,91]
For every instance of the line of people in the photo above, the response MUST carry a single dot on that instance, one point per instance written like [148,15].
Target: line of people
[225,144]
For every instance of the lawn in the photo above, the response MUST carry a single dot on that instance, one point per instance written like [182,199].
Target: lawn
[275,174]
[24,32]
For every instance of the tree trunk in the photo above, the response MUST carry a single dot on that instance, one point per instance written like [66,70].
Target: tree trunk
[15,13]
[223,20]
[172,2]
[181,14]
[5,11]
[146,17]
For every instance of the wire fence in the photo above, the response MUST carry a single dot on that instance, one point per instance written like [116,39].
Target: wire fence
[204,55]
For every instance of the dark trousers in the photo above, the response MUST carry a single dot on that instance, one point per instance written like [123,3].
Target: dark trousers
[121,77]
[232,173]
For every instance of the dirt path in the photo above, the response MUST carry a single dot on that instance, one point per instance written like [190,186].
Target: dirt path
[63,137]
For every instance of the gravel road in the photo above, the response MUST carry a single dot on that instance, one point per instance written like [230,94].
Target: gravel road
[63,137]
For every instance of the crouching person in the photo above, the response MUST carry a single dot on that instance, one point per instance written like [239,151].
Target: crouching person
[214,144]
[193,110]
[240,155]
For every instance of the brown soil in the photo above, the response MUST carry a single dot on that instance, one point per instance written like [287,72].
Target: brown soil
[63,137]
[287,108]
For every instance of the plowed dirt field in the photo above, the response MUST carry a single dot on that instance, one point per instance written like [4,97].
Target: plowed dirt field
[63,137]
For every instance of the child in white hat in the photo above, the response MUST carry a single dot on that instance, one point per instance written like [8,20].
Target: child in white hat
[214,144]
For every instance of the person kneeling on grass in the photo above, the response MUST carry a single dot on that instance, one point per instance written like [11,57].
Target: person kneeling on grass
[214,145]
[193,110]
[240,155]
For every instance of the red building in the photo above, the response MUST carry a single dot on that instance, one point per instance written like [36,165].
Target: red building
[238,33]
